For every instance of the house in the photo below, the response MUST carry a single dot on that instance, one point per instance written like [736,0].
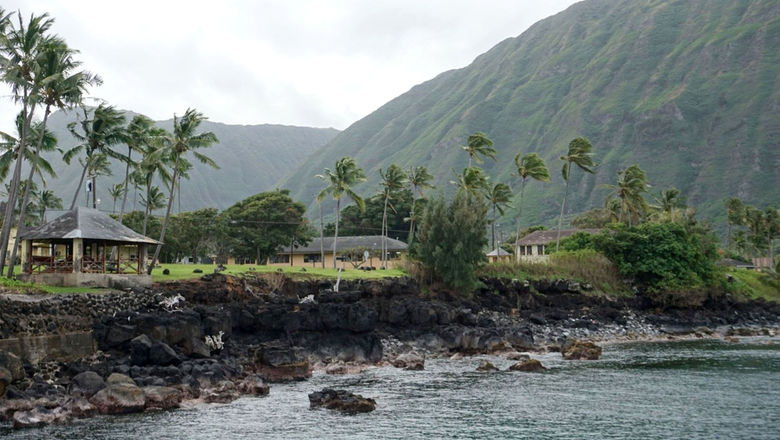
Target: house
[534,245]
[84,247]
[497,255]
[359,251]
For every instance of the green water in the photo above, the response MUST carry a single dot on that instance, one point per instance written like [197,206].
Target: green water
[665,390]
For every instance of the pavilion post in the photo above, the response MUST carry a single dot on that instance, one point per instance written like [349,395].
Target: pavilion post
[78,251]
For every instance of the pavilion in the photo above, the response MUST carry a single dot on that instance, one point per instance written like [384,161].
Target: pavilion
[85,247]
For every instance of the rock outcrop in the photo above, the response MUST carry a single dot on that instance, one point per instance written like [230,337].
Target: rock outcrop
[341,400]
[580,350]
[528,366]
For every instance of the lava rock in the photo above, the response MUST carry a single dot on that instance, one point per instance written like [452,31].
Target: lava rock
[224,392]
[119,378]
[86,384]
[13,364]
[341,400]
[529,366]
[253,385]
[40,417]
[162,397]
[409,361]
[161,353]
[580,350]
[119,398]
[486,365]
[139,350]
[80,407]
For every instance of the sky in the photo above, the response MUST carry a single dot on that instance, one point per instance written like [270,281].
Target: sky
[297,62]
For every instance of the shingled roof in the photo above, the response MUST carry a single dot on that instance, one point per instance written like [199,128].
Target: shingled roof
[85,223]
[373,242]
[546,236]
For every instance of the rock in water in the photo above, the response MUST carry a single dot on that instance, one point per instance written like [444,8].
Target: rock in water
[529,366]
[410,361]
[341,400]
[162,397]
[119,398]
[580,350]
[253,385]
[224,392]
[86,384]
[80,407]
[39,417]
[486,365]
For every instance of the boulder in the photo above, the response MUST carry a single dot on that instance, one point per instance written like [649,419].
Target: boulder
[162,397]
[224,392]
[276,363]
[86,384]
[10,406]
[5,380]
[119,398]
[580,350]
[139,350]
[196,348]
[341,400]
[529,366]
[337,368]
[38,417]
[80,407]
[161,353]
[409,361]
[119,378]
[13,364]
[253,385]
[517,356]
[486,365]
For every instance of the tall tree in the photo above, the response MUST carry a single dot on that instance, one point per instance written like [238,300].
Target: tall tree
[418,179]
[154,200]
[47,200]
[629,188]
[392,181]
[581,154]
[530,166]
[116,192]
[339,183]
[499,197]
[479,144]
[20,48]
[670,201]
[472,180]
[100,131]
[735,216]
[175,146]
[139,134]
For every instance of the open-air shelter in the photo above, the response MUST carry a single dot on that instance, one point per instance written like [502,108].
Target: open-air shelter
[85,247]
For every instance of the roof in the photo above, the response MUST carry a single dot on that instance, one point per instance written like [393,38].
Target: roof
[85,223]
[547,236]
[498,253]
[372,242]
[735,263]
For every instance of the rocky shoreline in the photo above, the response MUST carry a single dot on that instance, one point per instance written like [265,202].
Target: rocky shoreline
[218,338]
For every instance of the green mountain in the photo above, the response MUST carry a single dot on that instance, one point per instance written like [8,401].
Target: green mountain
[688,89]
[252,158]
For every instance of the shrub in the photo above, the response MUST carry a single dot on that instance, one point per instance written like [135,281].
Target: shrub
[450,240]
[575,242]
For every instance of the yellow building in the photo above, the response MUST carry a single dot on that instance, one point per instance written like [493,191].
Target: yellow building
[533,246]
[352,251]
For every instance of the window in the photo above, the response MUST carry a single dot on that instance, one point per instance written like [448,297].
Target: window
[279,258]
[311,258]
[540,249]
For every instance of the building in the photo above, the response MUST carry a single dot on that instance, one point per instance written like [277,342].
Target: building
[534,245]
[356,251]
[497,255]
[84,247]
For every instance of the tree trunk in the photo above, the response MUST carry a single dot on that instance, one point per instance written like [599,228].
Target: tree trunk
[322,237]
[14,185]
[25,198]
[78,188]
[167,214]
[127,180]
[493,228]
[519,214]
[384,234]
[563,205]
[336,234]
[94,191]
[410,238]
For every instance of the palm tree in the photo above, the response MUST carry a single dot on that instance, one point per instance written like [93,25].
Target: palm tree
[154,200]
[139,133]
[97,136]
[735,216]
[20,48]
[631,183]
[392,181]
[669,201]
[499,197]
[339,183]
[175,147]
[581,154]
[153,164]
[97,165]
[472,180]
[419,179]
[530,166]
[479,145]
[116,192]
[47,200]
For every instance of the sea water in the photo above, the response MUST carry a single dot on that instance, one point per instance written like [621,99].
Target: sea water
[704,389]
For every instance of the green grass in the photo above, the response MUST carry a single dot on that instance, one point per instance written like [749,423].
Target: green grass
[754,285]
[14,285]
[185,271]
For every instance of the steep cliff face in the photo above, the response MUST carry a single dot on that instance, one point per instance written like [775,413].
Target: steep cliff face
[687,89]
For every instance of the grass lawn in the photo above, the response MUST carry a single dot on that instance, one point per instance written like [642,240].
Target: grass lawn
[754,284]
[185,271]
[18,286]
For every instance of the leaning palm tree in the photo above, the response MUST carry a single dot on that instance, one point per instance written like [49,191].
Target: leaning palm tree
[479,145]
[392,181]
[418,179]
[530,166]
[20,49]
[339,183]
[175,147]
[139,133]
[154,200]
[581,154]
[631,184]
[116,192]
[99,132]
[499,197]
[472,180]
[47,200]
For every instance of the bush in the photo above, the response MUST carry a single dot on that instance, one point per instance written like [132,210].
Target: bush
[575,242]
[450,240]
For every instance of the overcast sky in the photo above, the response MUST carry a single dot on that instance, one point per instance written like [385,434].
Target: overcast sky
[307,63]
